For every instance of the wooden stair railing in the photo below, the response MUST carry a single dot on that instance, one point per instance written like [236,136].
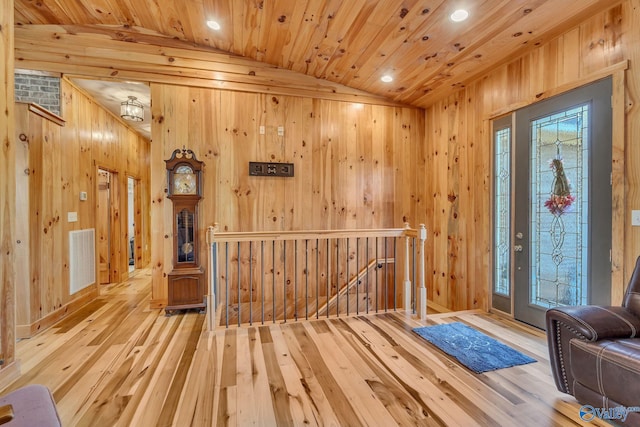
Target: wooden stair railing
[354,281]
[258,276]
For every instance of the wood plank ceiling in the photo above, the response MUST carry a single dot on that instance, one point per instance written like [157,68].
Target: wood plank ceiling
[350,42]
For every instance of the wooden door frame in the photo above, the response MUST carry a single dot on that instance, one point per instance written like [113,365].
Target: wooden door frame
[115,244]
[137,220]
[619,272]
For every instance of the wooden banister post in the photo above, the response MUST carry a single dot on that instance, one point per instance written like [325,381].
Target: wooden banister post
[213,267]
[407,280]
[422,300]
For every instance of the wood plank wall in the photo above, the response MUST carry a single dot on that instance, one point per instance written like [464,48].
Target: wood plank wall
[451,166]
[7,191]
[63,161]
[458,184]
[353,163]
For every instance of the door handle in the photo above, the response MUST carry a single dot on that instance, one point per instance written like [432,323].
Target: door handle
[517,248]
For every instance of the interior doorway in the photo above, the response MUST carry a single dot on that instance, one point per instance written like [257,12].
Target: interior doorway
[131,224]
[103,226]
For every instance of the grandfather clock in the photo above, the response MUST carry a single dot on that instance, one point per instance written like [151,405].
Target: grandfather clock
[186,284]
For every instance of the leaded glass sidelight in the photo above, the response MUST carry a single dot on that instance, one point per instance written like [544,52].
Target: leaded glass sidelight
[559,208]
[502,211]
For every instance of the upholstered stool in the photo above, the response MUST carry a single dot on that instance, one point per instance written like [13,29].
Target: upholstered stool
[29,406]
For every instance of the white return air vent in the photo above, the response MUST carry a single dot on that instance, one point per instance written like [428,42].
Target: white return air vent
[82,259]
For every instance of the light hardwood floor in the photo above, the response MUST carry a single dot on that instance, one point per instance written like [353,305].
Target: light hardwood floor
[118,363]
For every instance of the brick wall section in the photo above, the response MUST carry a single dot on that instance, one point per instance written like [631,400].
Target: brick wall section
[42,90]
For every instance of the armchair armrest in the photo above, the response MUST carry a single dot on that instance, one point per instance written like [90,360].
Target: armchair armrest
[593,323]
[588,323]
[6,413]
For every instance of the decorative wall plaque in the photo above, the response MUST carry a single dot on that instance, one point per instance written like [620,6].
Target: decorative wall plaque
[270,169]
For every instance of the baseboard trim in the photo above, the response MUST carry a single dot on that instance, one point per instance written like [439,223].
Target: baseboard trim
[29,330]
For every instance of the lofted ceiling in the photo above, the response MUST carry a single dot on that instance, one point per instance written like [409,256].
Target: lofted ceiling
[347,42]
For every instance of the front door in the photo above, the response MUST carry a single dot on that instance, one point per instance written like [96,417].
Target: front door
[560,202]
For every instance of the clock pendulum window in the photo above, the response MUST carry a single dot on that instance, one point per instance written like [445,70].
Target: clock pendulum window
[186,282]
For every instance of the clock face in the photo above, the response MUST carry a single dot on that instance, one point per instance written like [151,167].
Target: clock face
[184,181]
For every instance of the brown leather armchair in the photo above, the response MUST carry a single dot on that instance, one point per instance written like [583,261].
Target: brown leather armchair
[595,352]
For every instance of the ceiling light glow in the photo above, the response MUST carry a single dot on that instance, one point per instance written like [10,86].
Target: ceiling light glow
[213,25]
[459,15]
[386,79]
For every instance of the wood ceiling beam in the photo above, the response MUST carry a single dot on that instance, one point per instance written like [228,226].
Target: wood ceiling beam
[102,52]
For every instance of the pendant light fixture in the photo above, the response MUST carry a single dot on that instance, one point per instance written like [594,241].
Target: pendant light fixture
[132,109]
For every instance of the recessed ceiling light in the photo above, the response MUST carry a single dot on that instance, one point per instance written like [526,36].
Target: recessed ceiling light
[387,78]
[213,25]
[459,15]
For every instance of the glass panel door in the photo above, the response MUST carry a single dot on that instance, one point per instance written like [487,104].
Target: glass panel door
[502,141]
[561,204]
[559,208]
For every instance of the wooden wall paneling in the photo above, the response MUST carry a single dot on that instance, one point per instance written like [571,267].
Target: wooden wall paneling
[79,121]
[367,191]
[465,212]
[262,187]
[481,168]
[202,139]
[387,132]
[277,151]
[619,214]
[457,293]
[403,179]
[576,57]
[570,56]
[322,160]
[316,144]
[600,42]
[290,108]
[421,168]
[161,216]
[60,230]
[376,162]
[380,182]
[482,242]
[401,164]
[439,248]
[49,220]
[271,189]
[36,206]
[302,137]
[227,173]
[73,177]
[344,183]
[404,163]
[332,200]
[331,143]
[7,191]
[630,37]
[22,252]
